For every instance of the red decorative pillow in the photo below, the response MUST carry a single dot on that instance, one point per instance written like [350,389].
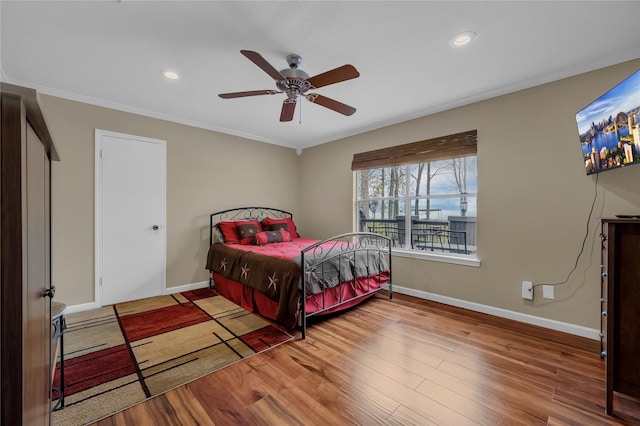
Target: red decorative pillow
[228,231]
[266,237]
[268,223]
[247,231]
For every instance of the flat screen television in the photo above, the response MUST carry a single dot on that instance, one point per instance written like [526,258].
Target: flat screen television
[608,127]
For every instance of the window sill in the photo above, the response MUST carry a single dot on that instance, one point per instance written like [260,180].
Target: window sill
[440,257]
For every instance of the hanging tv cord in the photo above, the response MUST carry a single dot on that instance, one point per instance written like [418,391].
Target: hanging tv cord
[584,241]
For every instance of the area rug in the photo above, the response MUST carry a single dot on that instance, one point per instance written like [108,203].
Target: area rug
[120,355]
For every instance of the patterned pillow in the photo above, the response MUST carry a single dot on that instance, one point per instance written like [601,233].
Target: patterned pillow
[277,226]
[247,231]
[268,224]
[266,237]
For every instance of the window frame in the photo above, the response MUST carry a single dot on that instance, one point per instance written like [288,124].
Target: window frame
[407,156]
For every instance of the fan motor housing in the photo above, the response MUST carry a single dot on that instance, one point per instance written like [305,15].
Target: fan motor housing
[294,73]
[296,82]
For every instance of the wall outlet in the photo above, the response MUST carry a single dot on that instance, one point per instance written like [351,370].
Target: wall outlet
[527,290]
[548,292]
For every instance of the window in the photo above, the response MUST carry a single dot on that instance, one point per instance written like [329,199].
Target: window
[426,201]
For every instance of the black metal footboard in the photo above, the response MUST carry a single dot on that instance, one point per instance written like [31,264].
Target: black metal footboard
[344,259]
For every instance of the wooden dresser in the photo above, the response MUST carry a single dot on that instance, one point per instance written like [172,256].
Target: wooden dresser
[621,307]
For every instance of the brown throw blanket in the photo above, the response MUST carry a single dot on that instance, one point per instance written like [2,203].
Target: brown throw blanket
[276,278]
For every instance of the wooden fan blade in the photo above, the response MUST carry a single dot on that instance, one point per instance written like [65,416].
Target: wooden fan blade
[331,104]
[288,108]
[257,59]
[336,75]
[249,93]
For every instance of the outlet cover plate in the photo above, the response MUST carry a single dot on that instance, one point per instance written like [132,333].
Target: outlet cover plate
[527,290]
[548,292]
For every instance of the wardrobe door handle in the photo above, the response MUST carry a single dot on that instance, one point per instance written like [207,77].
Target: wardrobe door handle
[50,292]
[156,227]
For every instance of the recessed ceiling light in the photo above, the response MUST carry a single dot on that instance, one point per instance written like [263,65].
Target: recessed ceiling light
[171,75]
[462,39]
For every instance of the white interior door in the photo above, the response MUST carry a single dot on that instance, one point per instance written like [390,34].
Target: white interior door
[130,219]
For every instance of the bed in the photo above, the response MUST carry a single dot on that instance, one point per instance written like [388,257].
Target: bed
[258,260]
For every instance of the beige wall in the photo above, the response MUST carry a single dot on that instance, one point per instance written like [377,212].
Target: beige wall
[534,196]
[206,172]
[533,203]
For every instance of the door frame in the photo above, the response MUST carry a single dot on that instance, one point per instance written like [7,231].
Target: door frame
[99,134]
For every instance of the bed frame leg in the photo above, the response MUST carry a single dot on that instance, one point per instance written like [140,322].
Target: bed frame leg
[304,327]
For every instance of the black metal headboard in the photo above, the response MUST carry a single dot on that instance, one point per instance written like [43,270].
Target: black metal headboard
[243,213]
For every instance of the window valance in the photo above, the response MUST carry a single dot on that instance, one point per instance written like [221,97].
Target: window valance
[442,148]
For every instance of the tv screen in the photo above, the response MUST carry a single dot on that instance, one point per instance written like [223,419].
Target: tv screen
[608,127]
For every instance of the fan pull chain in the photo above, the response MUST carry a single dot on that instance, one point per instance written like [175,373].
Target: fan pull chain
[300,112]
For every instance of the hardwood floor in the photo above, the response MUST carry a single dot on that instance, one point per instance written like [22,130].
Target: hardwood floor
[402,362]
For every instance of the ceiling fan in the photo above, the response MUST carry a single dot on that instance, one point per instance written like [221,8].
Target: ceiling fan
[296,83]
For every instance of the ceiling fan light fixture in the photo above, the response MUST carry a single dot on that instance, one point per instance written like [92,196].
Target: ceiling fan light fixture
[171,75]
[462,39]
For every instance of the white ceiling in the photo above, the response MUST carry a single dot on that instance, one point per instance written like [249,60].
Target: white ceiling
[113,53]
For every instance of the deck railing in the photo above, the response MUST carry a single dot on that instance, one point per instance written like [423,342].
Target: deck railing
[428,235]
[387,227]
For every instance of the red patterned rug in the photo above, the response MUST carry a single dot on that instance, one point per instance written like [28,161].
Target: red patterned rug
[120,355]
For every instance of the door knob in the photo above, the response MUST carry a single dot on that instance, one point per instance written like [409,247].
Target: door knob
[156,227]
[50,292]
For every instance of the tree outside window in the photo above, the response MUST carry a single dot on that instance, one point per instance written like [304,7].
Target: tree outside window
[440,197]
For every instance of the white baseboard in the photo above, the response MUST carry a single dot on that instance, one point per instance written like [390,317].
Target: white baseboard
[564,327]
[170,290]
[186,287]
[81,308]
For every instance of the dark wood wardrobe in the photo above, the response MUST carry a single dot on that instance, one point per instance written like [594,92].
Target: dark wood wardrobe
[620,303]
[26,152]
